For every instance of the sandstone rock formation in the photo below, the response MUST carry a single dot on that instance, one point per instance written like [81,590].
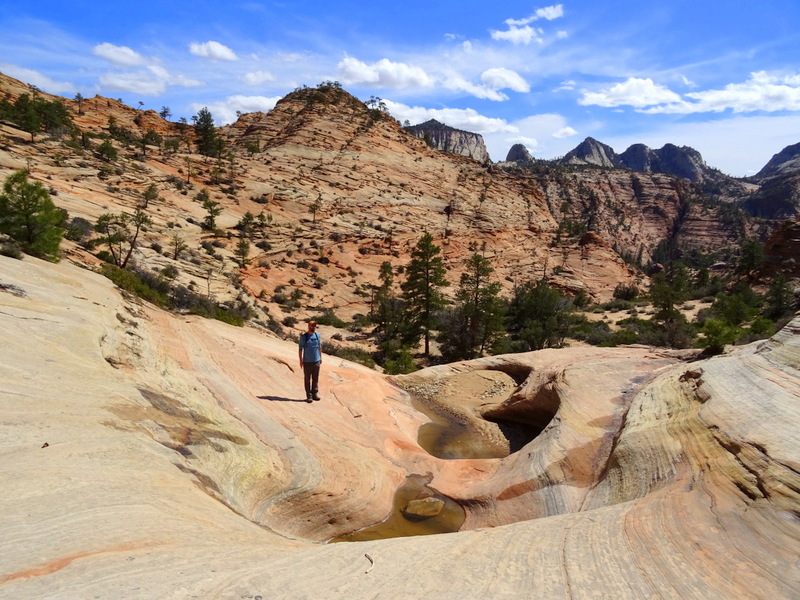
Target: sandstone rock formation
[450,139]
[592,152]
[779,186]
[150,455]
[519,153]
[684,162]
[785,161]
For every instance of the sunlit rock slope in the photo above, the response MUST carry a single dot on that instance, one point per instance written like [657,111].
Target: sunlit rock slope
[149,455]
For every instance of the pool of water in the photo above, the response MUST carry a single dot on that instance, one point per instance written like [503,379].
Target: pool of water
[399,524]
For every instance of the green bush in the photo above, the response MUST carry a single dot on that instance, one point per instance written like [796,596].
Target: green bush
[402,363]
[130,281]
[626,292]
[329,318]
[11,249]
[356,355]
[154,288]
[717,334]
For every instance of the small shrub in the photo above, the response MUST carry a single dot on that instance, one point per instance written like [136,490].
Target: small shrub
[356,355]
[626,292]
[329,318]
[11,249]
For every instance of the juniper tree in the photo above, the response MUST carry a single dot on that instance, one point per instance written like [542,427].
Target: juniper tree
[213,209]
[150,195]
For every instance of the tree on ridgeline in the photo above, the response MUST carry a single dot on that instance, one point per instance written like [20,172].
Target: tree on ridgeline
[79,99]
[208,143]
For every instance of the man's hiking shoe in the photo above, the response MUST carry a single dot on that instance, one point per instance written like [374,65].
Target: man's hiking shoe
[316,397]
[309,399]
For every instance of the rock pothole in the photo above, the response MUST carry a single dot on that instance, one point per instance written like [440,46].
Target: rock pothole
[481,414]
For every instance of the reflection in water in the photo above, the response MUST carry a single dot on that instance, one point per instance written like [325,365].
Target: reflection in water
[399,525]
[447,440]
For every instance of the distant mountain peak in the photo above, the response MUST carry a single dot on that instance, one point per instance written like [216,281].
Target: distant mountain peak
[681,161]
[519,153]
[783,162]
[592,152]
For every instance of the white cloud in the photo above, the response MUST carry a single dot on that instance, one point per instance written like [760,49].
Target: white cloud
[518,35]
[561,35]
[383,73]
[459,84]
[43,82]
[119,55]
[140,82]
[152,81]
[257,77]
[548,12]
[519,30]
[466,118]
[212,50]
[633,92]
[564,133]
[566,85]
[467,46]
[762,92]
[224,112]
[184,81]
[551,12]
[502,78]
[529,142]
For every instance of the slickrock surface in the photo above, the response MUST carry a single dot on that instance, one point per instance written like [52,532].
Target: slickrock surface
[149,455]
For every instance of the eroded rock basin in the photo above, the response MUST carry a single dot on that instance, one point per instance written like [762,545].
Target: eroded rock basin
[447,517]
[148,455]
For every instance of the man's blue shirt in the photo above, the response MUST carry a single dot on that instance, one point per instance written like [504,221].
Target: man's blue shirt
[311,347]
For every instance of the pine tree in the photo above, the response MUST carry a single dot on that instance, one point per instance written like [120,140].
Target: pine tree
[476,322]
[207,141]
[538,316]
[28,215]
[425,275]
[121,232]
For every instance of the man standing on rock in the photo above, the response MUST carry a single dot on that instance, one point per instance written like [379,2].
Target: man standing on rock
[310,355]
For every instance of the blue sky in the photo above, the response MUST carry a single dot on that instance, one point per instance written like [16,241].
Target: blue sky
[720,76]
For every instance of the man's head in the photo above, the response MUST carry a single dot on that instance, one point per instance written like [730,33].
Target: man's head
[312,325]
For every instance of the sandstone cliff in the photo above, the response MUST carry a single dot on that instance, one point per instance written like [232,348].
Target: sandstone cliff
[440,136]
